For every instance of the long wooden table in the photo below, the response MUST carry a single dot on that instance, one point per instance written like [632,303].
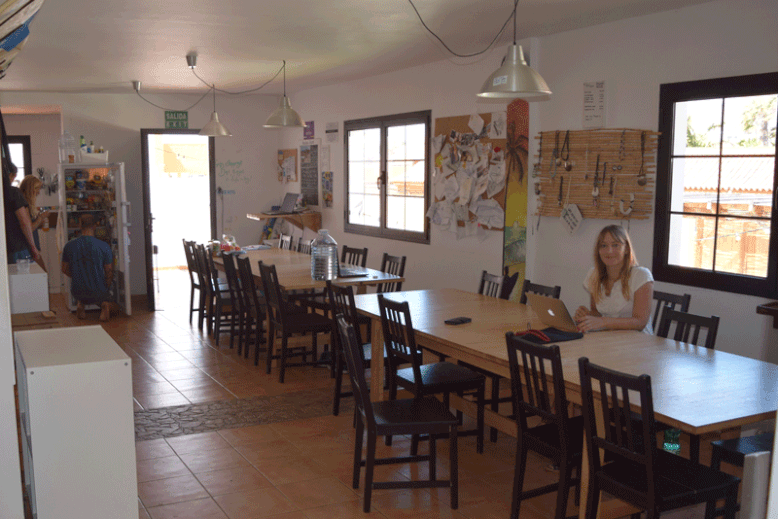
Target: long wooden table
[697,390]
[294,271]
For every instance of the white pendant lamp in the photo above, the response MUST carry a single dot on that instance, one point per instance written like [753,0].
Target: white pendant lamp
[214,128]
[284,116]
[515,78]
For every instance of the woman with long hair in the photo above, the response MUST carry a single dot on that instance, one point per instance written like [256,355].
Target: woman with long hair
[31,188]
[620,290]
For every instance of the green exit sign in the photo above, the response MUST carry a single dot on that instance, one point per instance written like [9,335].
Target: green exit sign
[176,120]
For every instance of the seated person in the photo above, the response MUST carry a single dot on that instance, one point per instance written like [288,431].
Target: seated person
[88,261]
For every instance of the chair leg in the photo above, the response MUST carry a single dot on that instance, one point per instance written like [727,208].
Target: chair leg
[338,382]
[217,324]
[518,478]
[593,498]
[564,489]
[392,396]
[369,465]
[201,309]
[191,304]
[495,405]
[271,343]
[282,359]
[233,317]
[454,462]
[480,420]
[433,458]
[360,432]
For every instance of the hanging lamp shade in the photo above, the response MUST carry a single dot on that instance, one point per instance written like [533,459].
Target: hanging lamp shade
[284,116]
[214,128]
[514,79]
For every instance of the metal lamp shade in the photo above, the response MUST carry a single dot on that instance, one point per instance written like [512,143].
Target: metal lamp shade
[284,117]
[214,128]
[515,79]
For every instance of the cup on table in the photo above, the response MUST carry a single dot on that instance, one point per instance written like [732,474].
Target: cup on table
[23,266]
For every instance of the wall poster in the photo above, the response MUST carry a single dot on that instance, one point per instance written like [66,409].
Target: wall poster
[309,172]
[287,165]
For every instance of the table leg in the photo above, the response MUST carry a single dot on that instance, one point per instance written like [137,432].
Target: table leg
[377,362]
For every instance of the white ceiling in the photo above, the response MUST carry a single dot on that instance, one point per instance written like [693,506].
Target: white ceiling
[87,46]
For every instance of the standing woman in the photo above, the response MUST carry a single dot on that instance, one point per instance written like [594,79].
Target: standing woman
[619,289]
[31,188]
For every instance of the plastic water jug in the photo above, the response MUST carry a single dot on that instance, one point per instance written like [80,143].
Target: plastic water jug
[68,150]
[324,257]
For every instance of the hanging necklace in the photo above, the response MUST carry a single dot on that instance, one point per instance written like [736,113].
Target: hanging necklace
[565,154]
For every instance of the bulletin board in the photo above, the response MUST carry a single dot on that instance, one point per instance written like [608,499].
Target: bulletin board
[309,173]
[470,170]
[287,165]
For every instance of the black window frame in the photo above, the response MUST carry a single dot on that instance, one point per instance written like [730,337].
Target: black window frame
[669,95]
[383,123]
[25,141]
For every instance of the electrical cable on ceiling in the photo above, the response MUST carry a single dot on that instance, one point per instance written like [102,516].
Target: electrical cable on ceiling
[136,85]
[515,5]
[263,85]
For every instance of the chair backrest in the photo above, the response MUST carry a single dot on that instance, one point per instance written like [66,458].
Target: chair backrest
[274,298]
[285,241]
[304,246]
[190,264]
[509,281]
[665,299]
[233,281]
[620,434]
[353,256]
[689,327]
[213,272]
[352,351]
[542,290]
[536,363]
[491,285]
[341,299]
[247,282]
[399,336]
[201,261]
[392,265]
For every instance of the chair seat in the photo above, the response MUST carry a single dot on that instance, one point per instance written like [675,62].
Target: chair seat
[412,412]
[545,438]
[678,480]
[307,322]
[439,376]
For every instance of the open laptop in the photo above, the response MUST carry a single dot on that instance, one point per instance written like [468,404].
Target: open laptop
[352,271]
[552,312]
[287,206]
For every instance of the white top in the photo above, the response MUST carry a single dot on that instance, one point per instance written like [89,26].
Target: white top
[614,305]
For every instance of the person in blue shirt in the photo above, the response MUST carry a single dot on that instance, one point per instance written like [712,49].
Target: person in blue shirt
[88,261]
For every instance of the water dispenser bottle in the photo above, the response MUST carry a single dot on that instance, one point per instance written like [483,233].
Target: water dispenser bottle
[324,257]
[68,150]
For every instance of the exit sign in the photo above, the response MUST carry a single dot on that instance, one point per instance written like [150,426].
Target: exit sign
[176,120]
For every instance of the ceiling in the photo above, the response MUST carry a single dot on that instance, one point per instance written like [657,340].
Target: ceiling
[87,46]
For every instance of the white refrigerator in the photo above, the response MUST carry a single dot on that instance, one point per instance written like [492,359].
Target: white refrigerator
[98,189]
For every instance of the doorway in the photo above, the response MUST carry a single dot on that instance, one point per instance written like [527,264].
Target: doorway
[179,202]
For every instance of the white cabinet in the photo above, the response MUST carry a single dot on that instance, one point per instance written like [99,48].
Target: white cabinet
[29,290]
[78,438]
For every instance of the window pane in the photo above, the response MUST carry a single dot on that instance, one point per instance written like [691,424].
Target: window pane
[356,179]
[691,241]
[743,246]
[372,211]
[372,172]
[415,140]
[415,174]
[414,214]
[395,212]
[356,145]
[697,127]
[373,144]
[396,143]
[17,157]
[747,186]
[695,182]
[356,211]
[749,125]
[396,180]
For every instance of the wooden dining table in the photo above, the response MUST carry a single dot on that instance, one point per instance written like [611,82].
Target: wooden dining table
[696,390]
[294,271]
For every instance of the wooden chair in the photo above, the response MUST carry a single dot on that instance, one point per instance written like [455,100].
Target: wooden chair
[212,285]
[304,246]
[542,290]
[425,379]
[664,299]
[409,416]
[508,283]
[288,319]
[194,282]
[491,284]
[636,471]
[559,437]
[689,327]
[392,265]
[225,304]
[255,303]
[239,308]
[285,241]
[352,256]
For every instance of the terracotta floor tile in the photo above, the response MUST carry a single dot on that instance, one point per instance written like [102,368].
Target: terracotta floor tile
[317,492]
[254,452]
[152,401]
[160,468]
[253,434]
[259,503]
[292,469]
[207,461]
[170,490]
[198,509]
[347,510]
[169,365]
[182,374]
[412,503]
[150,449]
[233,480]
[200,382]
[153,388]
[213,394]
[197,443]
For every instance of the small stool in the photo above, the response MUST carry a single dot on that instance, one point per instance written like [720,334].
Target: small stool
[753,454]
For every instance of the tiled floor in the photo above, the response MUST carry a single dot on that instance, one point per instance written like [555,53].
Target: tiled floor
[281,469]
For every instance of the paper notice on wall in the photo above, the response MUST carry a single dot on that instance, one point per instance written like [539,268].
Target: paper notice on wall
[332,132]
[594,104]
[324,158]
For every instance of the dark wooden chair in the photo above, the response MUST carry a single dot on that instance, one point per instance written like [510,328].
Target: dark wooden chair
[392,265]
[285,241]
[212,285]
[664,299]
[689,327]
[413,416]
[226,311]
[195,282]
[255,304]
[239,307]
[508,283]
[543,290]
[559,437]
[287,319]
[352,256]
[425,379]
[304,245]
[491,284]
[636,471]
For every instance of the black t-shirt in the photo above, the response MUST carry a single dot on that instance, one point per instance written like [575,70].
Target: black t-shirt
[14,238]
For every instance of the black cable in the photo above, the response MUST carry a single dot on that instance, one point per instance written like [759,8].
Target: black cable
[263,85]
[515,5]
[173,109]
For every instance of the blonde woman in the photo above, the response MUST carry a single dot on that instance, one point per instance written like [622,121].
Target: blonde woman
[620,290]
[31,188]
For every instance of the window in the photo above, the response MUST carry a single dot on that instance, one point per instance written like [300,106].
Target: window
[19,146]
[387,176]
[715,226]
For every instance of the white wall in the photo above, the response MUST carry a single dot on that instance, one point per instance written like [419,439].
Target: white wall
[245,163]
[634,56]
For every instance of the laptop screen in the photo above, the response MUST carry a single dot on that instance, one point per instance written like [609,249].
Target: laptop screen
[289,202]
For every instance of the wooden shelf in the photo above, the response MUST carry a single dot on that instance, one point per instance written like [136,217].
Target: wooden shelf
[307,220]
